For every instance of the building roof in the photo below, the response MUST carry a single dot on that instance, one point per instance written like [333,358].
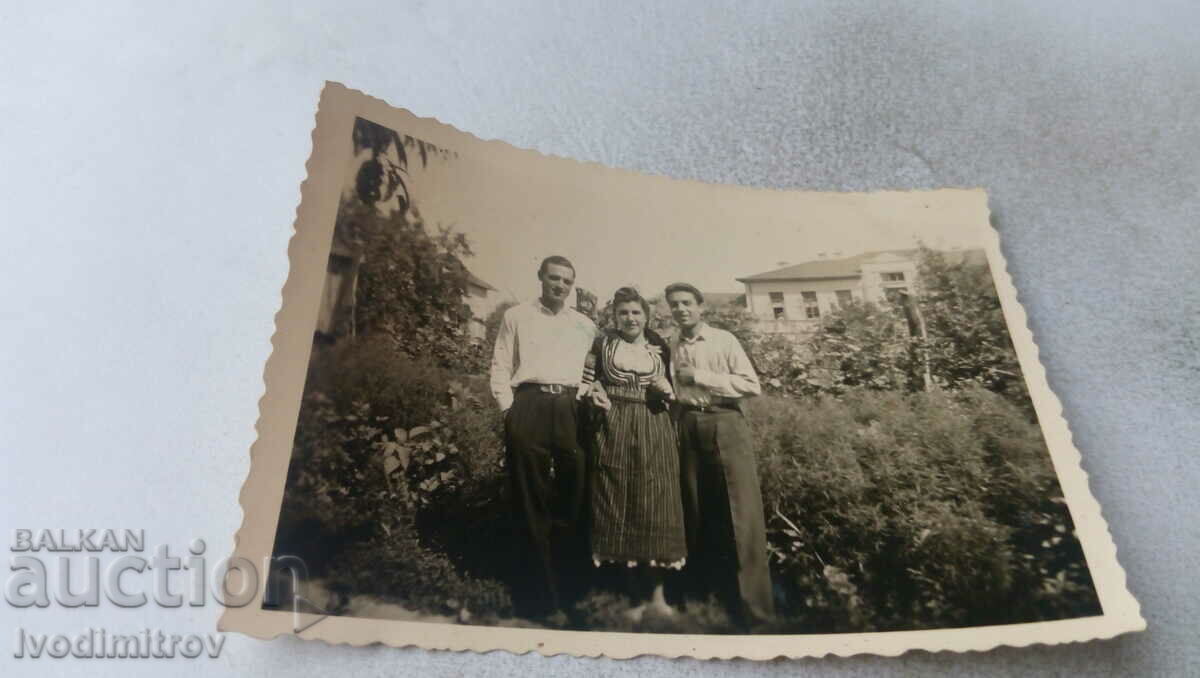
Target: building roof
[851,267]
[478,282]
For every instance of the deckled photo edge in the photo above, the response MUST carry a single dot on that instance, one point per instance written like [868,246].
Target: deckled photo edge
[1110,578]
[284,380]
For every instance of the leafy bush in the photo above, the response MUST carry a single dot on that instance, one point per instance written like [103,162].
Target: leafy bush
[397,565]
[865,345]
[410,282]
[885,509]
[891,511]
[968,337]
[382,441]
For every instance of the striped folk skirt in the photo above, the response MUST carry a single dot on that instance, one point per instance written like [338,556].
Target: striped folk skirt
[637,509]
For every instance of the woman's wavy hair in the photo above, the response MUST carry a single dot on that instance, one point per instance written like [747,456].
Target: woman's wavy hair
[625,295]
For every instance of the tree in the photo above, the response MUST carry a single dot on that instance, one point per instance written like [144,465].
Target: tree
[408,281]
[868,345]
[411,282]
[380,177]
[968,336]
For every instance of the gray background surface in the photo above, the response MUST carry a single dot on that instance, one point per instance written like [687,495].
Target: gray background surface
[150,162]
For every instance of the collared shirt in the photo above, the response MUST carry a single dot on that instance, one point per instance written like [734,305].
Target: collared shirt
[537,345]
[722,367]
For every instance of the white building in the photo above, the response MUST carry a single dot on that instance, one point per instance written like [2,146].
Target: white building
[482,298]
[793,299]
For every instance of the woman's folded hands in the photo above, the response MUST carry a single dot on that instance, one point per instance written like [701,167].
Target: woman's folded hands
[662,386]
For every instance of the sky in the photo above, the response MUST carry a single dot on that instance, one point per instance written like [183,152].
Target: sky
[622,228]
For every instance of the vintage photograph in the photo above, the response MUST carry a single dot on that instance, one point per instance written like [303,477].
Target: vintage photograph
[567,406]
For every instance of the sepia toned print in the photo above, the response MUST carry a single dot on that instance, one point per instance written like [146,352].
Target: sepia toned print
[520,402]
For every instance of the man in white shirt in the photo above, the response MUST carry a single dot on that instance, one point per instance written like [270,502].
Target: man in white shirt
[722,501]
[537,368]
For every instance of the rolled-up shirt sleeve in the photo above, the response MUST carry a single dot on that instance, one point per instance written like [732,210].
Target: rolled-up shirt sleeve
[740,380]
[503,356]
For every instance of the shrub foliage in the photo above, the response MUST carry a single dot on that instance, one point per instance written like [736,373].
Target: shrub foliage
[889,511]
[885,509]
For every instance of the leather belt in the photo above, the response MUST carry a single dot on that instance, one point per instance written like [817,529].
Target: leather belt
[552,389]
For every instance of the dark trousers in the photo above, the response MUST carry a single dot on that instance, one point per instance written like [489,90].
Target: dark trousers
[723,514]
[548,483]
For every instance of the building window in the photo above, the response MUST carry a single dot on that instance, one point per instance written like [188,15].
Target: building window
[844,298]
[811,310]
[339,264]
[777,305]
[895,295]
[894,276]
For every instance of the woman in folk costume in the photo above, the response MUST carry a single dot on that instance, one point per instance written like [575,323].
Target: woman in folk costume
[637,509]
